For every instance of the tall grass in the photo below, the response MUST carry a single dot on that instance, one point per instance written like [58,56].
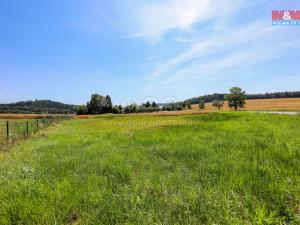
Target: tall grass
[227,168]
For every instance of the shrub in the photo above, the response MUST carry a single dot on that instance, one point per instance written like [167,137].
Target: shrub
[218,104]
[82,110]
[202,104]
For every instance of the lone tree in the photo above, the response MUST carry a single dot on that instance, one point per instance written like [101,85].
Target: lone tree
[218,104]
[237,98]
[202,104]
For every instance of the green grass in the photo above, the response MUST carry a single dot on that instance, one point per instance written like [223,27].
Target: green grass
[227,168]
[18,129]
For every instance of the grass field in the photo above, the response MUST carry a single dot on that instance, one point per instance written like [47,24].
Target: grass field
[226,168]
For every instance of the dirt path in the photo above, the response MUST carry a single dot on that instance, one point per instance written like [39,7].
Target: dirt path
[281,113]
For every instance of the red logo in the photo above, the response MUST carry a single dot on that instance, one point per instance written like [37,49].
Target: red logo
[286,15]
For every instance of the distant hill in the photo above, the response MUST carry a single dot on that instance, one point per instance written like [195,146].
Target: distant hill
[38,106]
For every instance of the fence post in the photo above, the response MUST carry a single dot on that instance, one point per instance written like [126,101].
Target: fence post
[27,128]
[37,125]
[7,129]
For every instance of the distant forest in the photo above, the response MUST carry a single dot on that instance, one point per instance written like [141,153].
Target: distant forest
[211,98]
[38,106]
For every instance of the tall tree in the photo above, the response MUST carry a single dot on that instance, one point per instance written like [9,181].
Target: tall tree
[97,104]
[154,105]
[237,98]
[147,104]
[120,108]
[108,104]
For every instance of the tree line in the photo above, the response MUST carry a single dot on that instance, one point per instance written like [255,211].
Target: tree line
[212,97]
[103,104]
[100,104]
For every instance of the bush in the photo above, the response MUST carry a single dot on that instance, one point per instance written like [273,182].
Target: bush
[218,104]
[202,104]
[133,108]
[82,110]
[117,109]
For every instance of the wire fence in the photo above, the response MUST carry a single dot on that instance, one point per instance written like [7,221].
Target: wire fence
[12,130]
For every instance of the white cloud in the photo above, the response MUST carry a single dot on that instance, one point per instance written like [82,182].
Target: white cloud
[156,19]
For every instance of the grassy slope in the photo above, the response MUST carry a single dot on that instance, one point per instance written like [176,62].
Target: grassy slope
[229,168]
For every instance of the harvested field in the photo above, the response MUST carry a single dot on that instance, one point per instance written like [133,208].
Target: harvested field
[279,104]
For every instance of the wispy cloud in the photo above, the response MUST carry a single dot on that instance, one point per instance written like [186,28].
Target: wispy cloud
[156,19]
[229,47]
[187,40]
[136,35]
[149,58]
[243,59]
[215,44]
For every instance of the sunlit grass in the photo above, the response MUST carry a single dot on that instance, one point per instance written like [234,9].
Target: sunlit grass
[227,168]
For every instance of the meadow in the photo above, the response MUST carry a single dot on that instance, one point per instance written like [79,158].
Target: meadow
[218,168]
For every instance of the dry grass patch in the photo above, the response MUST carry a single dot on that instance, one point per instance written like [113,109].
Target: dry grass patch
[23,116]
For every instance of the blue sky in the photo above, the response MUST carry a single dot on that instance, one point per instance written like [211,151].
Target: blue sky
[138,50]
